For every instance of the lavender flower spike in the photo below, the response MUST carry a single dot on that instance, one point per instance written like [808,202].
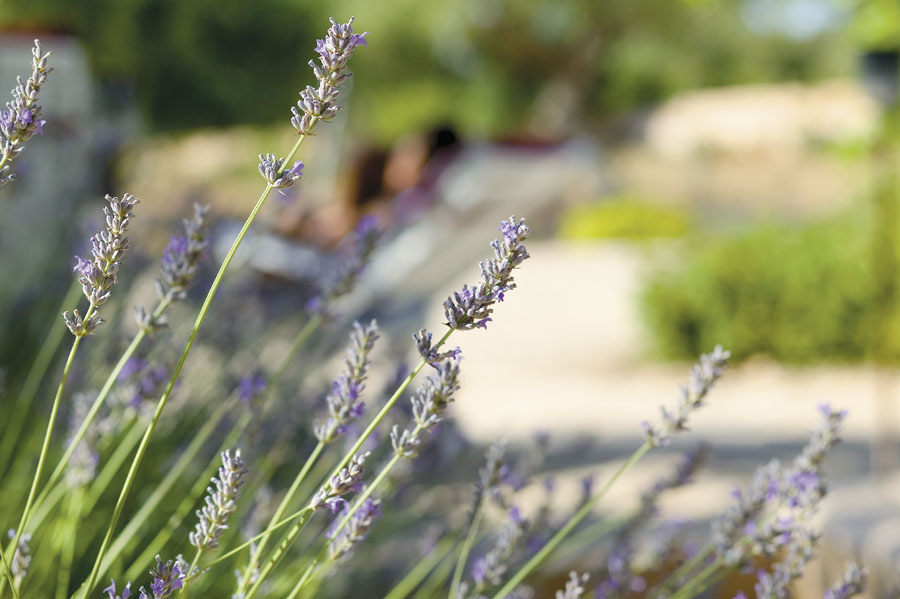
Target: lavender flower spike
[220,503]
[23,115]
[364,239]
[343,400]
[99,275]
[852,583]
[428,407]
[703,376]
[356,529]
[167,578]
[574,588]
[320,103]
[111,591]
[472,307]
[349,479]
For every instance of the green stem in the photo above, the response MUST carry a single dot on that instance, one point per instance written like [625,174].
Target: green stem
[311,568]
[45,447]
[689,588]
[184,508]
[421,570]
[466,548]
[563,532]
[282,507]
[191,568]
[113,464]
[129,480]
[36,375]
[161,490]
[9,569]
[244,545]
[687,567]
[67,549]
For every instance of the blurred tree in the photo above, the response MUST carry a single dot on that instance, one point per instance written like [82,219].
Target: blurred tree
[493,67]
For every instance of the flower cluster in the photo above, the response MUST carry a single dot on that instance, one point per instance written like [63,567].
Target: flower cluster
[270,167]
[489,569]
[703,377]
[99,275]
[853,582]
[343,400]
[182,256]
[167,578]
[428,407]
[429,351]
[800,550]
[575,588]
[349,479]
[355,530]
[220,503]
[472,307]
[320,103]
[111,591]
[23,115]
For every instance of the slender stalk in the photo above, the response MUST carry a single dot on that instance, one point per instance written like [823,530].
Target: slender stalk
[421,570]
[311,568]
[687,567]
[282,507]
[113,463]
[36,375]
[694,585]
[129,480]
[191,568]
[578,542]
[188,456]
[563,532]
[45,447]
[67,549]
[9,569]
[466,548]
[242,546]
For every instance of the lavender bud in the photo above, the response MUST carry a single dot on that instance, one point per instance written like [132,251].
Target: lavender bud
[574,588]
[428,406]
[343,401]
[22,118]
[348,479]
[728,528]
[271,171]
[428,351]
[99,275]
[472,307]
[220,503]
[691,396]
[111,590]
[167,578]
[489,570]
[853,582]
[356,528]
[320,103]
[800,550]
[21,559]
[182,255]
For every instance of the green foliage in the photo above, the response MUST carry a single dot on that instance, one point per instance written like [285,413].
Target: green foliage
[487,67]
[623,218]
[798,294]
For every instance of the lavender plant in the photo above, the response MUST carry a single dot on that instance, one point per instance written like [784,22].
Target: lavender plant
[350,486]
[23,117]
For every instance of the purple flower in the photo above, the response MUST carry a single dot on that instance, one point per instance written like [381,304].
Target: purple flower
[220,503]
[356,528]
[271,169]
[471,307]
[853,582]
[348,479]
[251,387]
[428,407]
[320,103]
[99,275]
[167,578]
[22,117]
[111,590]
[343,401]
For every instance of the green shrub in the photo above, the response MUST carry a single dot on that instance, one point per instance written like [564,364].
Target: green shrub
[799,294]
[623,218]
